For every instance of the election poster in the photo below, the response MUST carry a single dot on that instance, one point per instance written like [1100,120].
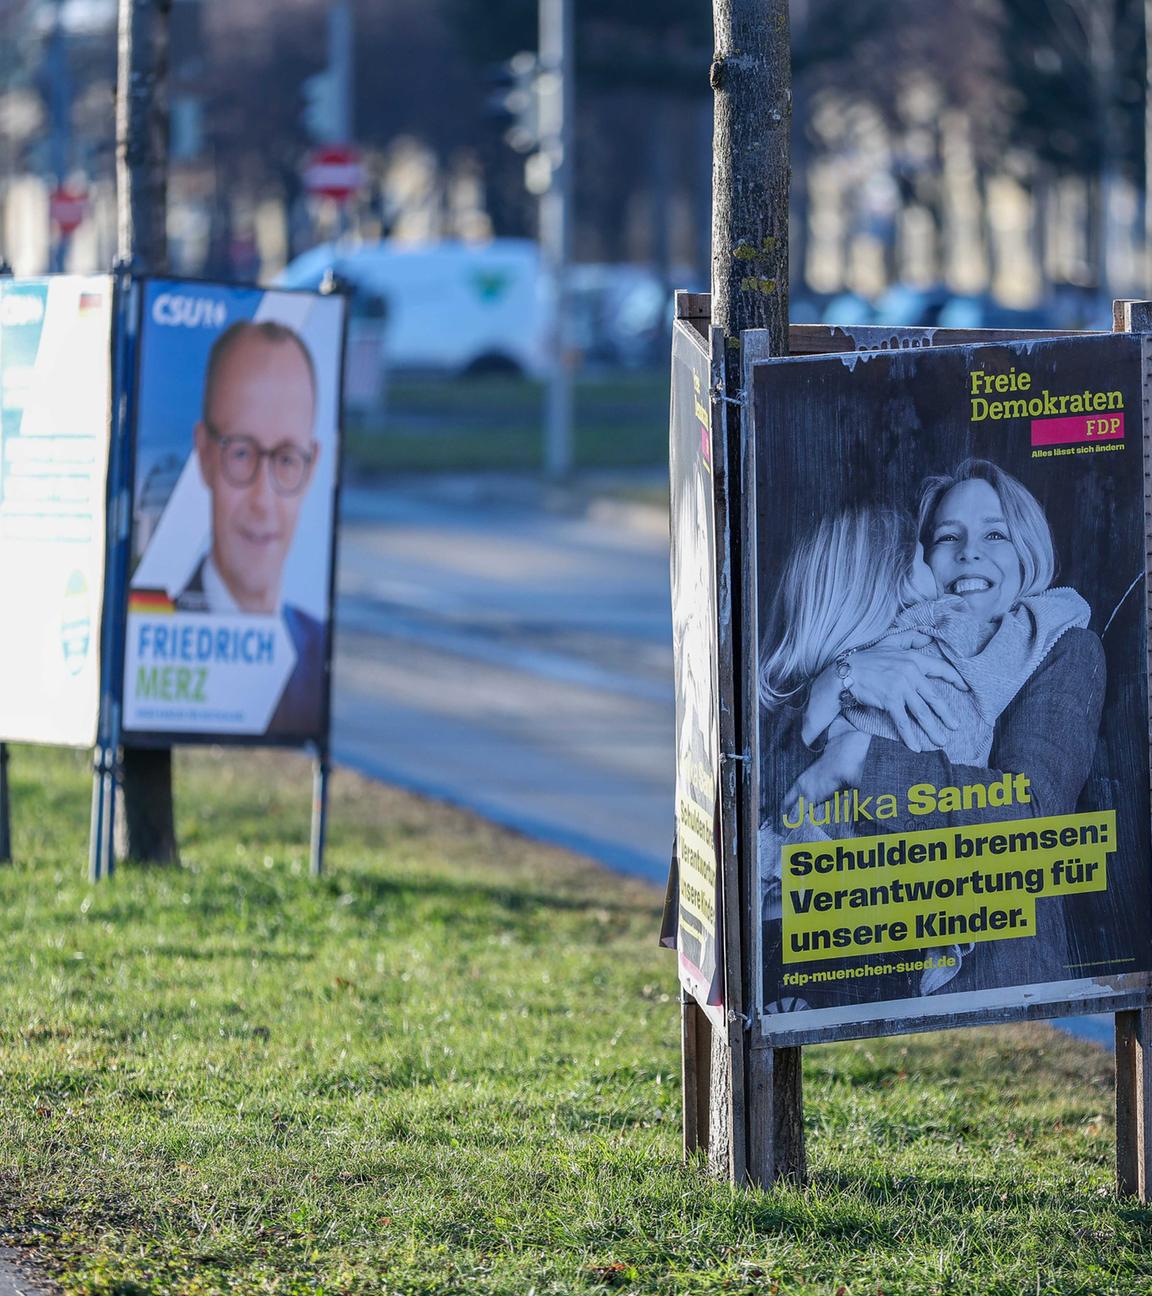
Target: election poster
[952,738]
[237,418]
[695,655]
[55,412]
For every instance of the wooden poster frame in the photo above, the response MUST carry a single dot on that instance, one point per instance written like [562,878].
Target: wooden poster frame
[763,1140]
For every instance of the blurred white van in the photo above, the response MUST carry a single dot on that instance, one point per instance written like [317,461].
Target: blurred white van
[458,308]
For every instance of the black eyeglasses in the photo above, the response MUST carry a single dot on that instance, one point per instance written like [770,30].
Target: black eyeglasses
[241,457]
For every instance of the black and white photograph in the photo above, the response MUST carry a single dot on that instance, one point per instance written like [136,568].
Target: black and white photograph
[953,713]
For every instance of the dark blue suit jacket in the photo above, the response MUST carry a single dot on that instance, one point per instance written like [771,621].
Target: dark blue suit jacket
[300,713]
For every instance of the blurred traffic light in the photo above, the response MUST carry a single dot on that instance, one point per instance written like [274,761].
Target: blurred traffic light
[320,107]
[514,101]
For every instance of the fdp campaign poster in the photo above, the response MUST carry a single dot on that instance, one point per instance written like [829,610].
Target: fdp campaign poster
[237,436]
[695,655]
[55,412]
[953,719]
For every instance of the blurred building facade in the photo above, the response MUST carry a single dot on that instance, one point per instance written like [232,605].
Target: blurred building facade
[984,147]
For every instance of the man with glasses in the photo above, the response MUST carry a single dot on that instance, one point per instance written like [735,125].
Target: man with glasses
[257,456]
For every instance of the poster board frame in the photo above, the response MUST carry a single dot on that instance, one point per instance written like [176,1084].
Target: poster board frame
[166,739]
[762,1138]
[700,1022]
[1136,988]
[59,407]
[127,333]
[683,421]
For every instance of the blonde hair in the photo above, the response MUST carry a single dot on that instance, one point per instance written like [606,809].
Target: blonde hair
[842,587]
[1027,526]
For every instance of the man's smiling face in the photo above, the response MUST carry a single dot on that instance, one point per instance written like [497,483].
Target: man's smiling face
[971,553]
[263,391]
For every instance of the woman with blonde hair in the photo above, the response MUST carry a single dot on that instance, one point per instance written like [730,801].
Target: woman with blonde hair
[1028,702]
[1024,666]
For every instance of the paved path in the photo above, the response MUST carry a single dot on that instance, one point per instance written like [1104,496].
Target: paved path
[14,1281]
[513,657]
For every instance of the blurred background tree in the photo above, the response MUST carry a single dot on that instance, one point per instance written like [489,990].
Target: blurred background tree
[990,151]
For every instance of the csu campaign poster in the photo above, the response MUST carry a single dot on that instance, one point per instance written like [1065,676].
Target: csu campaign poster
[237,427]
[695,656]
[953,711]
[55,412]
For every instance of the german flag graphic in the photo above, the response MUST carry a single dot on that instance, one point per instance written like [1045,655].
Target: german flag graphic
[154,602]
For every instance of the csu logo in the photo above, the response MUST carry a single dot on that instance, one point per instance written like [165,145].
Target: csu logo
[177,311]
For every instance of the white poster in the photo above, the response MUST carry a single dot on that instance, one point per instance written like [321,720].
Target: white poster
[55,403]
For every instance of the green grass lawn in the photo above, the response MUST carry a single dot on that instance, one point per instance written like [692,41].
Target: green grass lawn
[451,1066]
[494,424]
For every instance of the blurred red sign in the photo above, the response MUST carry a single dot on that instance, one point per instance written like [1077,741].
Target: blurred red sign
[68,207]
[334,171]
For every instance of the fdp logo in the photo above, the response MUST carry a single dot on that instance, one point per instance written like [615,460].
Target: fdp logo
[175,310]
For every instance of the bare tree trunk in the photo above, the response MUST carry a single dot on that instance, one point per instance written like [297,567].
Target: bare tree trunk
[1148,148]
[751,78]
[142,134]
[801,154]
[145,826]
[752,117]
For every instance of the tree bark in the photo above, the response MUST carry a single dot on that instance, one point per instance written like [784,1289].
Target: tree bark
[142,134]
[145,824]
[751,78]
[1147,147]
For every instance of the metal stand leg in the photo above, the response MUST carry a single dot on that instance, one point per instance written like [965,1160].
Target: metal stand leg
[101,851]
[109,845]
[96,826]
[5,809]
[320,772]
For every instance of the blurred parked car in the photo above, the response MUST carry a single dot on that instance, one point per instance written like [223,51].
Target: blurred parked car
[620,315]
[456,308]
[936,306]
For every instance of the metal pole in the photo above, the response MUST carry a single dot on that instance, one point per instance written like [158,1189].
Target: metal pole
[96,823]
[106,779]
[320,772]
[5,814]
[60,114]
[556,96]
[340,67]
[101,833]
[5,808]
